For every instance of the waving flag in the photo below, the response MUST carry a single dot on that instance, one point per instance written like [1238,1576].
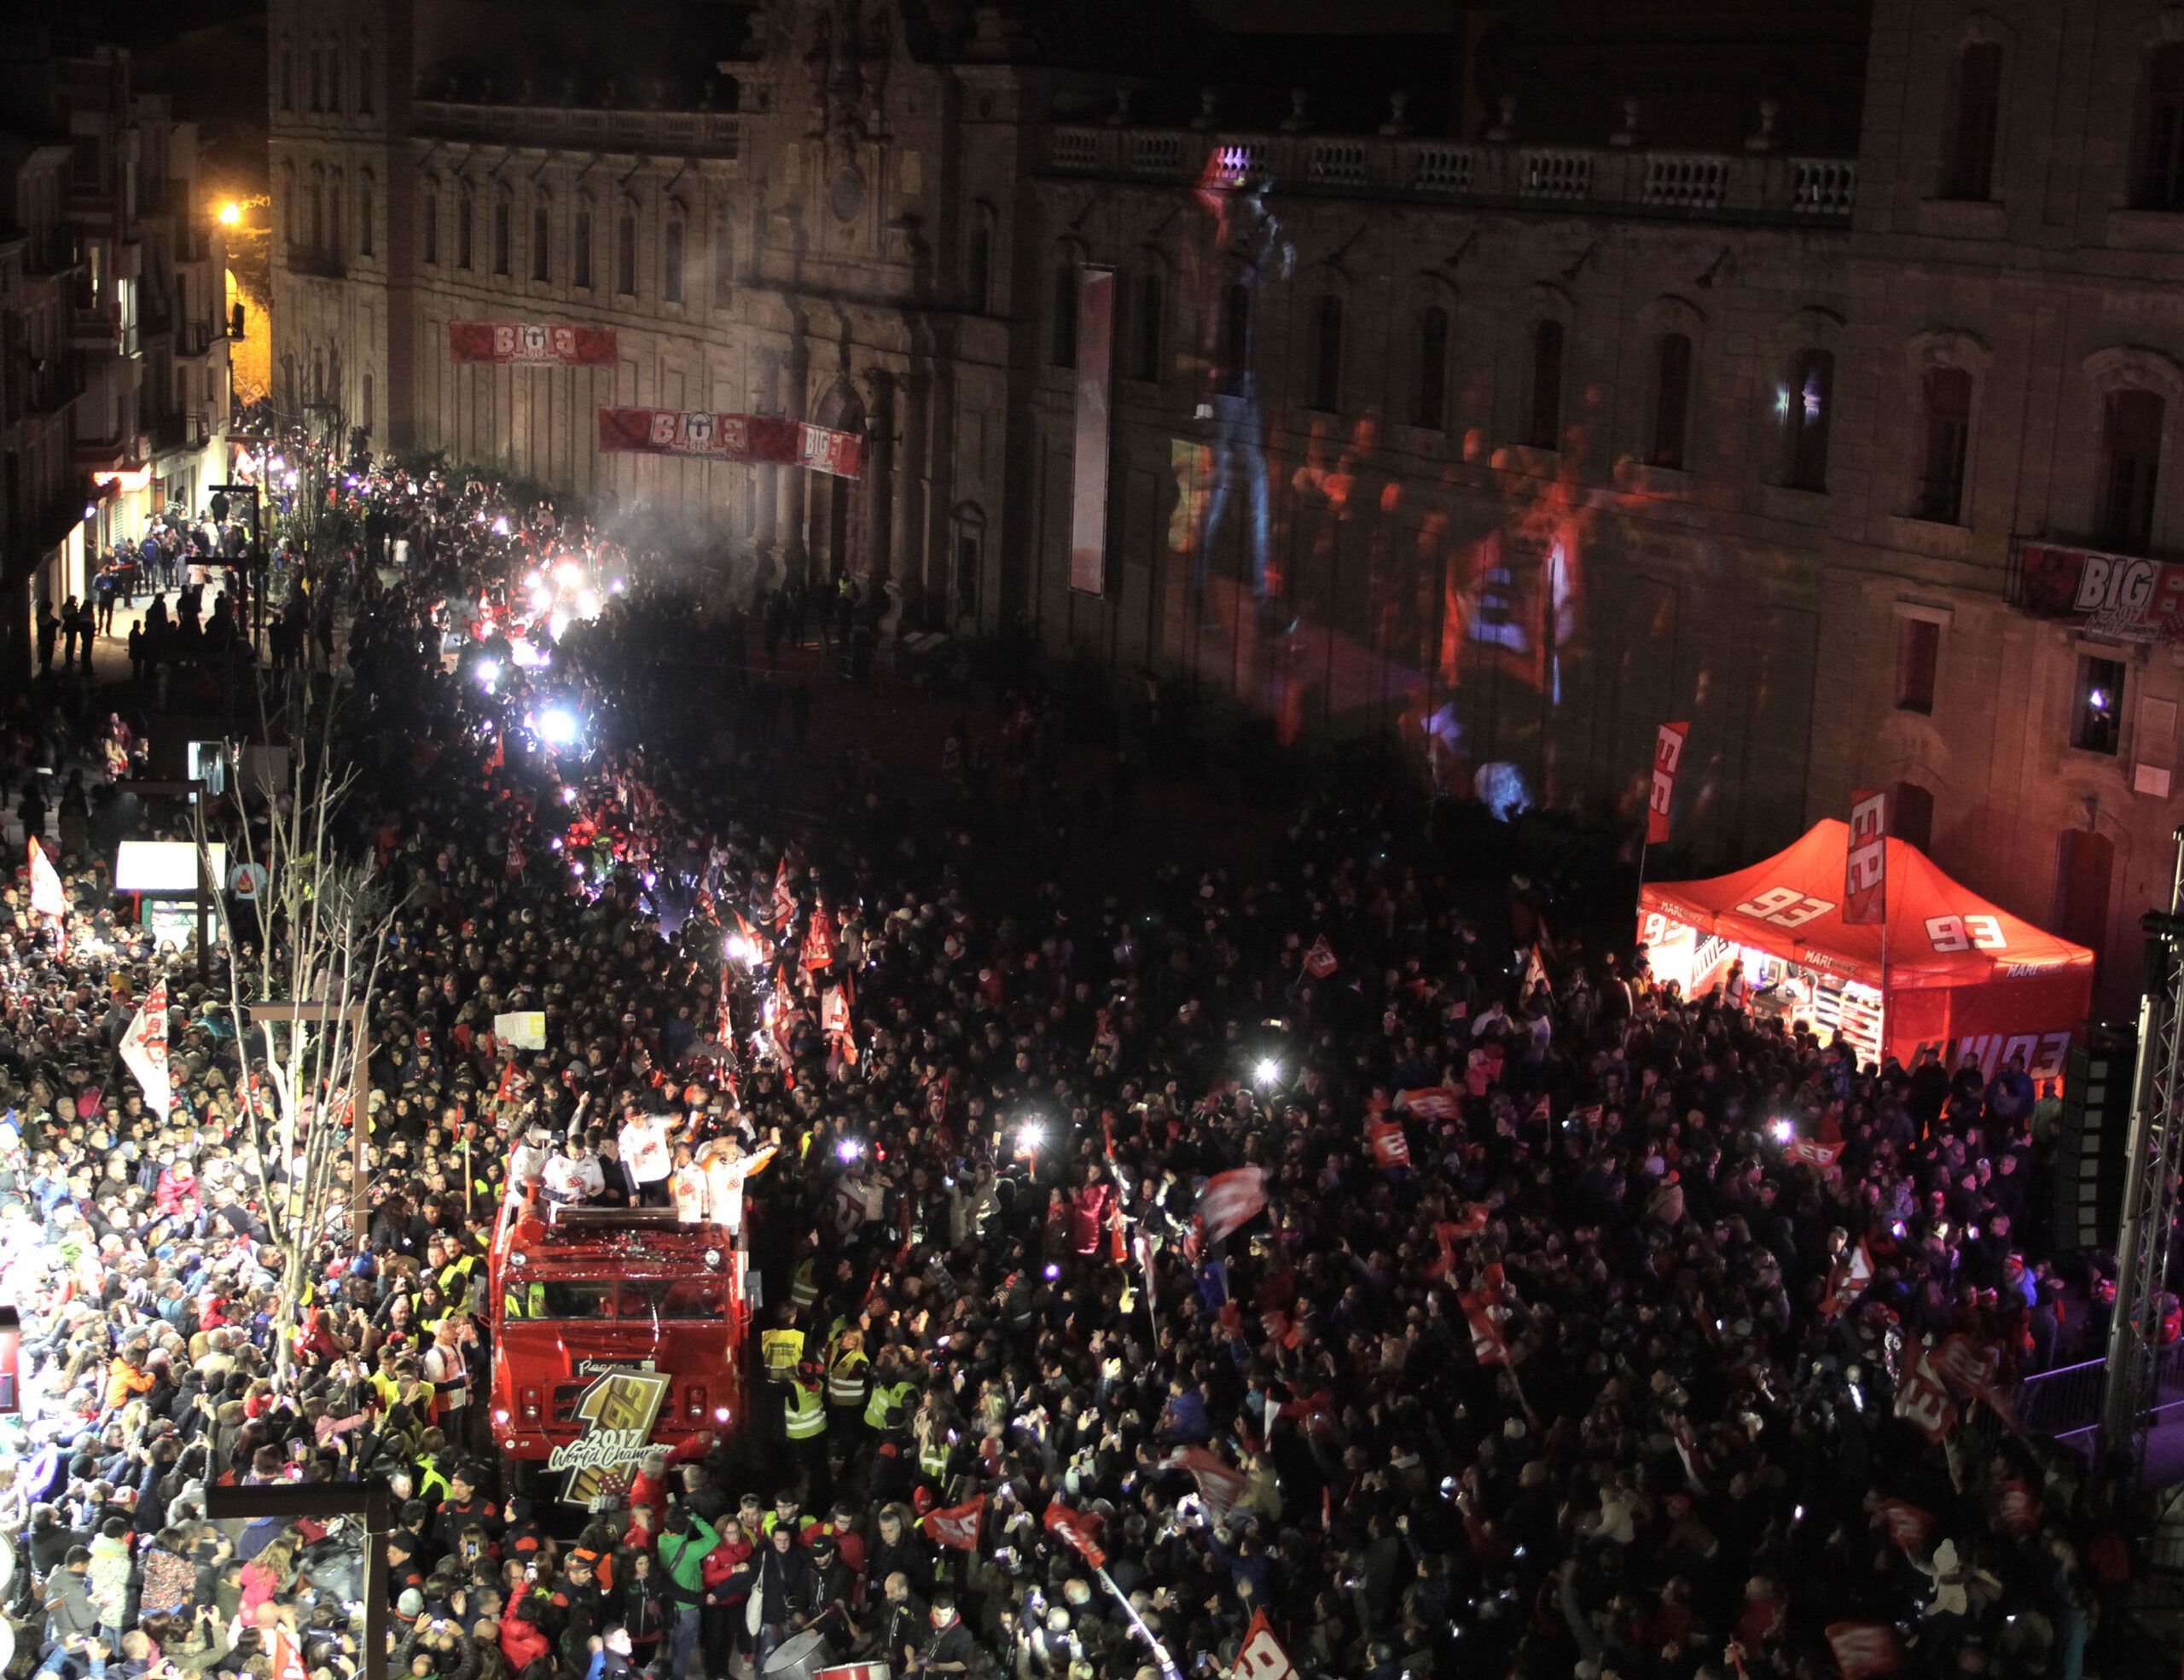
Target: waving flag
[1865,862]
[1391,1148]
[819,939]
[1262,1657]
[1847,1279]
[1668,753]
[46,897]
[1865,1650]
[1230,1201]
[144,1051]
[1909,1526]
[1489,1343]
[784,900]
[1079,1531]
[1219,1484]
[957,1525]
[1319,961]
[1432,1102]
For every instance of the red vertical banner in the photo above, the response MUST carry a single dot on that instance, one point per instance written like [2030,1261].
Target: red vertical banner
[1668,753]
[1095,349]
[1865,861]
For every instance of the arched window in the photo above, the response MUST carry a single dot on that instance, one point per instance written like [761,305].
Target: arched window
[1911,815]
[366,193]
[1945,417]
[2160,175]
[291,205]
[1429,395]
[335,227]
[1326,353]
[724,258]
[431,201]
[1977,119]
[364,83]
[316,200]
[465,219]
[625,252]
[671,259]
[503,234]
[317,80]
[1063,327]
[1144,346]
[1671,399]
[1544,429]
[580,248]
[2085,864]
[541,239]
[1806,407]
[2130,466]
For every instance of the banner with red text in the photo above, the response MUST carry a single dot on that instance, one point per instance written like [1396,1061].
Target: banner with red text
[1668,753]
[1865,861]
[707,436]
[523,342]
[2124,597]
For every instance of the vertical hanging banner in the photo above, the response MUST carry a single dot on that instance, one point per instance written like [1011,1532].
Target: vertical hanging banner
[1668,753]
[1865,861]
[731,437]
[528,341]
[1096,354]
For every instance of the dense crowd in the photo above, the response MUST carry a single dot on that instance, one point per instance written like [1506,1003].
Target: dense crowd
[1317,1250]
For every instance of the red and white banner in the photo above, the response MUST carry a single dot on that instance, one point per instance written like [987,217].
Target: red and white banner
[1813,1153]
[1076,1530]
[1432,1102]
[1219,1484]
[819,939]
[1847,1279]
[1318,961]
[1489,1343]
[1231,1201]
[1922,1400]
[1262,1657]
[1970,1367]
[957,1525]
[144,1051]
[46,897]
[528,342]
[1865,862]
[2120,596]
[784,899]
[834,1013]
[287,1661]
[1909,1526]
[730,437]
[1865,1650]
[1668,753]
[1389,1146]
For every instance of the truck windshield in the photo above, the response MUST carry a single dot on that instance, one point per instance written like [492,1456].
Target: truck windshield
[566,1300]
[679,1298]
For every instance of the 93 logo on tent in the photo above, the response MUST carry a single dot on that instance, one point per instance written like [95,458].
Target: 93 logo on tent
[1784,906]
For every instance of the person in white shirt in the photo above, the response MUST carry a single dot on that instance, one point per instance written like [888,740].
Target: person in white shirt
[726,1166]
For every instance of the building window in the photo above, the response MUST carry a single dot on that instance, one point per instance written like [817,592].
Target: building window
[1326,354]
[465,216]
[316,201]
[2131,463]
[1671,398]
[1145,358]
[1806,406]
[288,78]
[317,94]
[503,236]
[334,223]
[670,261]
[625,254]
[1065,319]
[1979,117]
[1911,814]
[2097,710]
[1544,425]
[2085,864]
[1429,395]
[431,224]
[723,261]
[2160,183]
[334,80]
[542,240]
[580,248]
[1945,398]
[364,80]
[1918,652]
[978,266]
[364,244]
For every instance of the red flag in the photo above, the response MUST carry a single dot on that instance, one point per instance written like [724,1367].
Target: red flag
[46,897]
[2018,1510]
[1909,1527]
[1471,1220]
[1667,753]
[957,1525]
[1489,1345]
[1432,1102]
[1865,861]
[1231,1200]
[1262,1657]
[1219,1484]
[1847,1279]
[819,939]
[1390,1146]
[1319,961]
[1922,1400]
[784,899]
[1813,1153]
[1970,1367]
[1864,1650]
[1080,1532]
[287,1661]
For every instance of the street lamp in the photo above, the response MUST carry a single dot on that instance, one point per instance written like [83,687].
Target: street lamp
[230,214]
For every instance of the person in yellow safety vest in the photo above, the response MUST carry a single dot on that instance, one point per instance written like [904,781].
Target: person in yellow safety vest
[848,1377]
[891,1390]
[935,1440]
[804,1284]
[781,1349]
[520,1299]
[803,1417]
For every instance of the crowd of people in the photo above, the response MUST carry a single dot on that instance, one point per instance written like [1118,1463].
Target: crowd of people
[1306,1261]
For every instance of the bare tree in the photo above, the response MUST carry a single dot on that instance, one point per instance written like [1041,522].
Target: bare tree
[301,979]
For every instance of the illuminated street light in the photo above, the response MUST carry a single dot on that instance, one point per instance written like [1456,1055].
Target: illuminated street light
[230,214]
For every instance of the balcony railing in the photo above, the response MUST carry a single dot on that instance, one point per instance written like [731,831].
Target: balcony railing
[1728,185]
[677,134]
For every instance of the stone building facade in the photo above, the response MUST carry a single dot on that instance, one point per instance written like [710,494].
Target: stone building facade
[1507,443]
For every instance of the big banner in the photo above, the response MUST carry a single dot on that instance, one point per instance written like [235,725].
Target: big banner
[2123,596]
[731,437]
[527,341]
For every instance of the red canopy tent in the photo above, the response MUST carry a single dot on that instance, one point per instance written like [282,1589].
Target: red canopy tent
[1953,971]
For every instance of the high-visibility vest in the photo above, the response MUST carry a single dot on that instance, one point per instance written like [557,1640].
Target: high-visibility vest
[805,1410]
[779,1351]
[803,1285]
[845,1378]
[933,1457]
[884,1395]
[524,1300]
